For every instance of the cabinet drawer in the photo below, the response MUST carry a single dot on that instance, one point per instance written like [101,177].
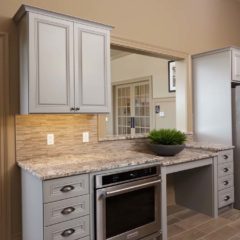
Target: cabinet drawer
[84,238]
[63,188]
[225,156]
[65,210]
[225,182]
[70,230]
[225,197]
[225,169]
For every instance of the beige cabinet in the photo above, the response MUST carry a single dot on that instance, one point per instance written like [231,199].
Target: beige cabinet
[64,63]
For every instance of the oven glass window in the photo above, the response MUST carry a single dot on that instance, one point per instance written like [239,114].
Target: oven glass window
[130,210]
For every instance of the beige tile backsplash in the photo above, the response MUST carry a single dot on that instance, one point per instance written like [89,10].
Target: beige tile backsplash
[32,130]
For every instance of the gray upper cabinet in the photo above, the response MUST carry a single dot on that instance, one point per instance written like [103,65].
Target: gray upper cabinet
[51,80]
[64,63]
[92,86]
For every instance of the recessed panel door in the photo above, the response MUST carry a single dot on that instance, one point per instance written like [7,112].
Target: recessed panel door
[51,82]
[92,87]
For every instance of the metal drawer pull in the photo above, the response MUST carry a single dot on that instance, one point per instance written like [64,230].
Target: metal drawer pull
[225,169]
[226,182]
[225,156]
[67,188]
[68,210]
[68,232]
[226,198]
[77,109]
[72,109]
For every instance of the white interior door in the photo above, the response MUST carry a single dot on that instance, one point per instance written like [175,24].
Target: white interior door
[133,108]
[123,109]
[141,113]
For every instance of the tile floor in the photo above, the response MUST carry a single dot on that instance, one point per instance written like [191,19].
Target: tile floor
[185,224]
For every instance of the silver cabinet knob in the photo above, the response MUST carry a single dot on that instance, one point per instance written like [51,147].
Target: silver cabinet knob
[68,232]
[226,198]
[67,188]
[225,169]
[226,182]
[68,210]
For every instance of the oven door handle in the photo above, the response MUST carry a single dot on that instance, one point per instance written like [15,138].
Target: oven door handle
[127,189]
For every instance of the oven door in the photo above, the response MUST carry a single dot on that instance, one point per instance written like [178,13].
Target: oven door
[128,211]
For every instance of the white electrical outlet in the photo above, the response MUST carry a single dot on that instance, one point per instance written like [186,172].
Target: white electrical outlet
[162,114]
[85,137]
[50,139]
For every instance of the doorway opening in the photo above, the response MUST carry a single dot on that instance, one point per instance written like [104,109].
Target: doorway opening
[141,95]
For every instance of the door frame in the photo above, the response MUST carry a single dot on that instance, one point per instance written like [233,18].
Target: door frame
[184,84]
[132,81]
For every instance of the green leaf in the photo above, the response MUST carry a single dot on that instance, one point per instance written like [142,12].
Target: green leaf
[167,137]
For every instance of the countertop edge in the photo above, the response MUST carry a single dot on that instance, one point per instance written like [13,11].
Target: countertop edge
[162,161]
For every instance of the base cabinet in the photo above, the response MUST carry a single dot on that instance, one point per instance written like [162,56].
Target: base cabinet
[64,63]
[225,179]
[56,209]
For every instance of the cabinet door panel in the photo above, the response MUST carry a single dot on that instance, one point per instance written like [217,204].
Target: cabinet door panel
[93,57]
[51,83]
[92,85]
[236,65]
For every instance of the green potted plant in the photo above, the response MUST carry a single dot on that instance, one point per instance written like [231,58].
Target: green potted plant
[167,142]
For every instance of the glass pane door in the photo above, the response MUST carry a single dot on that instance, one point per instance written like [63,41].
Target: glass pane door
[142,107]
[133,108]
[123,100]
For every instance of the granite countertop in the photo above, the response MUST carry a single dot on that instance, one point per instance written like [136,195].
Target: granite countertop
[208,146]
[61,166]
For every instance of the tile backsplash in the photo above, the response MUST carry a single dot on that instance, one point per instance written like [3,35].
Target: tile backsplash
[32,130]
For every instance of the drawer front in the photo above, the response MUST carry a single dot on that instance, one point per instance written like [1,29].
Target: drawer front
[85,238]
[225,197]
[70,230]
[63,188]
[65,210]
[225,182]
[225,156]
[225,169]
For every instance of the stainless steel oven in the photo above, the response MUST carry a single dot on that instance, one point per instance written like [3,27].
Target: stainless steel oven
[128,204]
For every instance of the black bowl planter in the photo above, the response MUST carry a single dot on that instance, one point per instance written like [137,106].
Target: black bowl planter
[166,150]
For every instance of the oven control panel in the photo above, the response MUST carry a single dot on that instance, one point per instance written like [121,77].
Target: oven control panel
[129,175]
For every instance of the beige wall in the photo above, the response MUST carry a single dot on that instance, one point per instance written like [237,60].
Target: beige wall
[184,25]
[137,66]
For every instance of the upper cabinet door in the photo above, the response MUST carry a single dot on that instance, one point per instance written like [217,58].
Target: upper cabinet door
[235,65]
[92,73]
[51,74]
